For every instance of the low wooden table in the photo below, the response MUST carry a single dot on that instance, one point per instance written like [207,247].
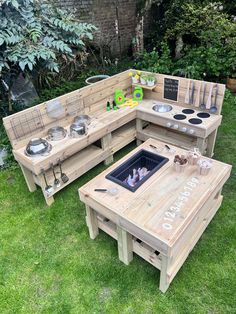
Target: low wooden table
[163,220]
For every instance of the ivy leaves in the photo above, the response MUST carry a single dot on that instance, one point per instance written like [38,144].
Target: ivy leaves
[34,33]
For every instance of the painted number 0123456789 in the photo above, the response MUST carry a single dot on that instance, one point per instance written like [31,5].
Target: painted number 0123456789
[173,211]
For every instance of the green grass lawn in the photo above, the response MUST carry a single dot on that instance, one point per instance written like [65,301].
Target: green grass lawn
[48,264]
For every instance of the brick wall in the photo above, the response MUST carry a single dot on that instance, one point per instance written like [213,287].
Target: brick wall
[116,20]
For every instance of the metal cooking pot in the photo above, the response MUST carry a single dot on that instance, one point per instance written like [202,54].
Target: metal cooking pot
[78,129]
[37,146]
[56,133]
[84,118]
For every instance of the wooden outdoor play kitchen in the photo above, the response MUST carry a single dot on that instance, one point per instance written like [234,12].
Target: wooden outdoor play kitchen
[157,200]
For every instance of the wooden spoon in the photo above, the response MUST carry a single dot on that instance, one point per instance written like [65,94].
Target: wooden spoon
[208,103]
[187,93]
[197,101]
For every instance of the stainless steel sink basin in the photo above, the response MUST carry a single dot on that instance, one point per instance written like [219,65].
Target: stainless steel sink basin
[162,108]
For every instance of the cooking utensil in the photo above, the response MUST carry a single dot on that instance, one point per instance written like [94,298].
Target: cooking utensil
[57,182]
[187,93]
[78,129]
[169,149]
[48,188]
[214,109]
[197,102]
[64,177]
[208,103]
[157,149]
[83,118]
[192,93]
[112,191]
[56,133]
[54,109]
[38,146]
[203,106]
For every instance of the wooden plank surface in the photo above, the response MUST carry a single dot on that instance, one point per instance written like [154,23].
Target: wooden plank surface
[145,112]
[79,100]
[166,202]
[99,127]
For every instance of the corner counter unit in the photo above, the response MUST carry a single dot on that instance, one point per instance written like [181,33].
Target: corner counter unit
[110,131]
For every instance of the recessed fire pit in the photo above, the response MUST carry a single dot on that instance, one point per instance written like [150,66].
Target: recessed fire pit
[137,169]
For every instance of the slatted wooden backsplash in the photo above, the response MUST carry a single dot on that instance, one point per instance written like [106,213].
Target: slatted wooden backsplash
[34,122]
[158,92]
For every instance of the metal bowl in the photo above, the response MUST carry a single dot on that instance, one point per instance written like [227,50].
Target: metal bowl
[37,146]
[56,133]
[83,118]
[162,108]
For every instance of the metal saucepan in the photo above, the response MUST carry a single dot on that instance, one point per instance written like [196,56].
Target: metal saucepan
[38,146]
[56,133]
[78,129]
[83,118]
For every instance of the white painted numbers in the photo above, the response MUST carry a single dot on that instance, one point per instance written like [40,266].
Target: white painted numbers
[172,212]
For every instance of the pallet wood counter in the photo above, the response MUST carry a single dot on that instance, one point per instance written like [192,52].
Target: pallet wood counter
[111,131]
[164,218]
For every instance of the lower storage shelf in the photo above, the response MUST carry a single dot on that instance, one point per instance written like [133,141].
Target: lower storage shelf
[166,135]
[123,136]
[140,248]
[75,166]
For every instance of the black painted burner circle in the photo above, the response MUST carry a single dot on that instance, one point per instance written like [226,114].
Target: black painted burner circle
[195,121]
[188,111]
[179,117]
[203,115]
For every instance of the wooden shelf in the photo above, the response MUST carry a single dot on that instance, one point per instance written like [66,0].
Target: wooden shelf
[123,136]
[76,165]
[168,136]
[145,86]
[139,247]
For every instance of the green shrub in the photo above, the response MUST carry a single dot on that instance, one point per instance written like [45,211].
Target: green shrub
[37,38]
[154,61]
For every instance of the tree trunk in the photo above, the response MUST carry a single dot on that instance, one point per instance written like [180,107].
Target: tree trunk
[179,47]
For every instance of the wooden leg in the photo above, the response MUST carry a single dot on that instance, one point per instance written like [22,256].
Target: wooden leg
[106,144]
[125,246]
[49,200]
[138,142]
[92,222]
[139,128]
[28,178]
[164,278]
[201,144]
[211,144]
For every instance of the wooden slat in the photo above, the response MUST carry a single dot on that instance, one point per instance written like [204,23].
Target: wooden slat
[158,92]
[168,136]
[94,93]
